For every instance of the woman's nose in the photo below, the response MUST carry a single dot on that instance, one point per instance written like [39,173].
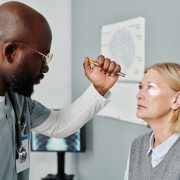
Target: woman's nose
[140,94]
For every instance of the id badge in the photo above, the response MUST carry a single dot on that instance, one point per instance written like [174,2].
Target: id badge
[22,162]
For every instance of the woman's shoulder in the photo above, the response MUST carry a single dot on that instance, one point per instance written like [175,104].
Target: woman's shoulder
[141,143]
[143,138]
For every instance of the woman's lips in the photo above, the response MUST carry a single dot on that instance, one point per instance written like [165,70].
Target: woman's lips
[139,106]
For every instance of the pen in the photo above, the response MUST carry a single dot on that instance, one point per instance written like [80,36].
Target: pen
[96,64]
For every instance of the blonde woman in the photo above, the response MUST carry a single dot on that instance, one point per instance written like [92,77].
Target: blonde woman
[156,155]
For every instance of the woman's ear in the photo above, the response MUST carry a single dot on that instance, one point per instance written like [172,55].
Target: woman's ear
[176,104]
[9,51]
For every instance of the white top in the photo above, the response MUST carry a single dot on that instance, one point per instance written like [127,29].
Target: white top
[67,121]
[156,153]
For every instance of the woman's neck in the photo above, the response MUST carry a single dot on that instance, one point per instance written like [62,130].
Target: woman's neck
[162,134]
[162,128]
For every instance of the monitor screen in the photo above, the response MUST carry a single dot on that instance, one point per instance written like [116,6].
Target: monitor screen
[73,143]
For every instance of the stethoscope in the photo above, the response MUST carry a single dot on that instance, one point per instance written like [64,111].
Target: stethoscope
[20,151]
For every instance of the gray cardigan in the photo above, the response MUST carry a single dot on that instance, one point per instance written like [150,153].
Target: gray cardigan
[140,167]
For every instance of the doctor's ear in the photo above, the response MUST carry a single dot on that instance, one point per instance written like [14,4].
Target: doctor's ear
[9,51]
[176,103]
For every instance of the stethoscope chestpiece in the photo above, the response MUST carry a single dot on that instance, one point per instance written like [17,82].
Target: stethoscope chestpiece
[21,153]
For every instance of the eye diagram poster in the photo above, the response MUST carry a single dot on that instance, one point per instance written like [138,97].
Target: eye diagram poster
[124,42]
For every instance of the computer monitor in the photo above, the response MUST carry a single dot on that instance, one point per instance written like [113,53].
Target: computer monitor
[74,143]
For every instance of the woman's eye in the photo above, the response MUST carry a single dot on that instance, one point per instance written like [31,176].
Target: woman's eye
[151,87]
[140,87]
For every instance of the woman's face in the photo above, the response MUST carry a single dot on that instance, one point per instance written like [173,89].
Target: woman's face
[155,98]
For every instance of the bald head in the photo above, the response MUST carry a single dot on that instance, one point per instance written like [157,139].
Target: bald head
[20,66]
[19,22]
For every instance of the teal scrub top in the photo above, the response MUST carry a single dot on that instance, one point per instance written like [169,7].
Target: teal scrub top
[34,114]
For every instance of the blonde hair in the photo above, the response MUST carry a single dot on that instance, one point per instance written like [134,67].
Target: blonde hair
[170,72]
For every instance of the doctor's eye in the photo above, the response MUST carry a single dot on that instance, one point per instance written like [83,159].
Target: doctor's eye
[44,58]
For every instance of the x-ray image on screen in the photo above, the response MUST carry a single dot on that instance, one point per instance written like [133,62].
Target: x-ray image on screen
[44,143]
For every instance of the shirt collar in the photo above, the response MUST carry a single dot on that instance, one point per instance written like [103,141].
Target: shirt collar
[163,148]
[150,143]
[2,99]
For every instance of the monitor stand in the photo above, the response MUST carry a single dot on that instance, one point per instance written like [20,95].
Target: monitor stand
[60,175]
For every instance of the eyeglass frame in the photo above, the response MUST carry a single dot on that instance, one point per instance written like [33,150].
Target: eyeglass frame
[47,58]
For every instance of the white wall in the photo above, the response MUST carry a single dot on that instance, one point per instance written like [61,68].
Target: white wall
[55,89]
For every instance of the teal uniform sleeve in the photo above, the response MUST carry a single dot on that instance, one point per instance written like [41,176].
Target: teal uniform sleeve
[31,110]
[38,113]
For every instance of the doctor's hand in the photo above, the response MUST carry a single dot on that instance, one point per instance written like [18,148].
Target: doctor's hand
[102,76]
